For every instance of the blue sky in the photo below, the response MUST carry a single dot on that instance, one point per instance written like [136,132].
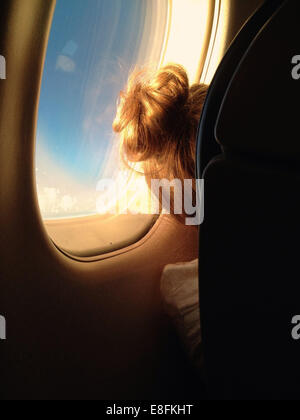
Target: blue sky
[113,28]
[93,46]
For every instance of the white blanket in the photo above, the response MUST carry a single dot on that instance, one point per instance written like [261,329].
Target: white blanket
[180,291]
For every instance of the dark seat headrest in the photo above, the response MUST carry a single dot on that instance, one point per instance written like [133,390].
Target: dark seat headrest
[260,113]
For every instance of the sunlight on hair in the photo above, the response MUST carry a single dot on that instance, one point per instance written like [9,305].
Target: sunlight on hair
[130,192]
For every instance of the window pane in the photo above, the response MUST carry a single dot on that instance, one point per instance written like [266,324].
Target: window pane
[93,47]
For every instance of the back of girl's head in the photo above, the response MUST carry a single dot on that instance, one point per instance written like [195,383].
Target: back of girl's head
[157,118]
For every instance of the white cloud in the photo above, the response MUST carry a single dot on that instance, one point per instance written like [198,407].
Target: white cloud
[65,64]
[59,194]
[54,204]
[68,203]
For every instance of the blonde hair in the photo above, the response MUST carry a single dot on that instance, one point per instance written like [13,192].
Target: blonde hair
[157,118]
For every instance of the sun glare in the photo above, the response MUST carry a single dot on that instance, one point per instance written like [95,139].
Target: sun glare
[187,32]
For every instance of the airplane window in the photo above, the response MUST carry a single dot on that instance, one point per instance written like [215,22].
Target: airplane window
[93,46]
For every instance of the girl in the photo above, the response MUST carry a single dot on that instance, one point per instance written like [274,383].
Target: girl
[157,119]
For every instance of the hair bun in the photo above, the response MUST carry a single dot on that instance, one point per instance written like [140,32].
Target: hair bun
[154,109]
[172,83]
[164,98]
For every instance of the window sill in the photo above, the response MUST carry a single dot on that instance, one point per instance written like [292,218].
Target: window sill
[97,235]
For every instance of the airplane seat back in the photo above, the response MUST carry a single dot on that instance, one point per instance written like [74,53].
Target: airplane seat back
[207,147]
[248,271]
